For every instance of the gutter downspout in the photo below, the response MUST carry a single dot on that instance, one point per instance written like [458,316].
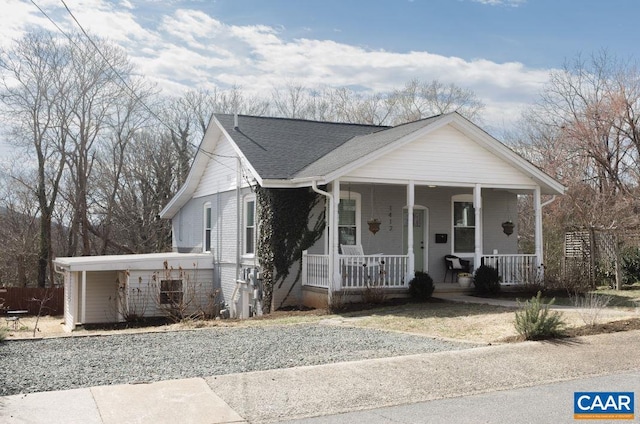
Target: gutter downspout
[548,202]
[314,186]
[239,216]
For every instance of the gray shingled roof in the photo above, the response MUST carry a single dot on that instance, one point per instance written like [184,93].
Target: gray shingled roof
[279,148]
[361,146]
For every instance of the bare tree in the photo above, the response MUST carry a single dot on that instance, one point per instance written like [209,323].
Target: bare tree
[420,99]
[34,81]
[19,235]
[130,116]
[585,131]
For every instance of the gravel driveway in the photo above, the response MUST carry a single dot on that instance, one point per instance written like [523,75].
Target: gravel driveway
[28,366]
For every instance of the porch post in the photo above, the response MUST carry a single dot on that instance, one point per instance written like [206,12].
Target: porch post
[84,297]
[538,226]
[477,205]
[334,240]
[411,263]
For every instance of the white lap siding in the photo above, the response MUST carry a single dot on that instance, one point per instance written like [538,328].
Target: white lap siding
[144,290]
[102,291]
[70,300]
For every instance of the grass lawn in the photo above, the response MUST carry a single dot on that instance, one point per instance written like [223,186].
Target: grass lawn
[448,320]
[628,297]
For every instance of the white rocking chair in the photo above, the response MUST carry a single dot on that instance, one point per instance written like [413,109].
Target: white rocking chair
[358,268]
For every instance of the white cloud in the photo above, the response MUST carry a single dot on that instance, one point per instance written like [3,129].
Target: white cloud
[512,3]
[188,48]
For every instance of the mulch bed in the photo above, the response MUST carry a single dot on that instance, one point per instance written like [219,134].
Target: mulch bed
[590,330]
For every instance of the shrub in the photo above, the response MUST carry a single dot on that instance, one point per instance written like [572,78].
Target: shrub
[486,280]
[536,322]
[590,305]
[337,301]
[373,293]
[421,286]
[631,265]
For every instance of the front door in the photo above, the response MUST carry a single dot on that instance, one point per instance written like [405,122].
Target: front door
[420,238]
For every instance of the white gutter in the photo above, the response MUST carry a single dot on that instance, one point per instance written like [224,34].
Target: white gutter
[548,202]
[314,186]
[239,217]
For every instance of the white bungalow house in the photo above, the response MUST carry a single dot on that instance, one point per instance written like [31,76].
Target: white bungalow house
[434,187]
[403,197]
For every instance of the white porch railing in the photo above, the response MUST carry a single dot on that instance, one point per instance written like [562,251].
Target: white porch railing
[315,270]
[357,272]
[514,269]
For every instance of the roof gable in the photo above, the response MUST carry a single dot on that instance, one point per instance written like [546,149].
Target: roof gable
[278,148]
[283,152]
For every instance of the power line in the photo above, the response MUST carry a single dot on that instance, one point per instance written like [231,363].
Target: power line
[130,90]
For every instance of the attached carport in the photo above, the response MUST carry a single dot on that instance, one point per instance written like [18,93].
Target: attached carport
[94,285]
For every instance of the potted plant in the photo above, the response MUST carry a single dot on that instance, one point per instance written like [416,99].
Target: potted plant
[465,279]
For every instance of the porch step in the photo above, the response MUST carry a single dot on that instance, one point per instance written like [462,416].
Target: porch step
[452,288]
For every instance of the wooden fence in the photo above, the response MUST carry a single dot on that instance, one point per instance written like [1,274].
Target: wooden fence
[28,299]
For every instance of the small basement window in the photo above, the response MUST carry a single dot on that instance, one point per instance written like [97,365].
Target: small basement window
[170,292]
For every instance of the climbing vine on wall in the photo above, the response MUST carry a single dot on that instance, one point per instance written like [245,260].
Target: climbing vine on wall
[285,232]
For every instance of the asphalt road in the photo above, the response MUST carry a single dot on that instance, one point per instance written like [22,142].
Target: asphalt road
[547,403]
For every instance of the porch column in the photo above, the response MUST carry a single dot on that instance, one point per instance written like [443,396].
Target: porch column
[477,205]
[334,240]
[84,297]
[411,262]
[537,206]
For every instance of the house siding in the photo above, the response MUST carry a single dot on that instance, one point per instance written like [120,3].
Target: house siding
[102,292]
[221,172]
[70,300]
[224,236]
[448,156]
[144,289]
[387,203]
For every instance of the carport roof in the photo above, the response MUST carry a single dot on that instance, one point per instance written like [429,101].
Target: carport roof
[147,261]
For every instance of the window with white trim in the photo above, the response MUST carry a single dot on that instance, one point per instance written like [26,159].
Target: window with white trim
[349,218]
[171,292]
[249,225]
[207,227]
[464,224]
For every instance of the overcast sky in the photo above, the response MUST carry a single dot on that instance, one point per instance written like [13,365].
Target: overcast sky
[501,49]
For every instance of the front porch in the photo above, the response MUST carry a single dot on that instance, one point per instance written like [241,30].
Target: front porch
[391,272]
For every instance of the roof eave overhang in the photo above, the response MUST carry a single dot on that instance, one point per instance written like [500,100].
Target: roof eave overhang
[547,184]
[212,135]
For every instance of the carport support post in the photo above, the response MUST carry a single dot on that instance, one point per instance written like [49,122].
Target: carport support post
[84,297]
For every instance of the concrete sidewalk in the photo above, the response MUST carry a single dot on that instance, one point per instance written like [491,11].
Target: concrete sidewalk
[174,401]
[277,395]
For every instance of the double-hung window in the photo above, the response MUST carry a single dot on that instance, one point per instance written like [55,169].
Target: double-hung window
[464,224]
[171,292]
[250,225]
[349,218]
[207,227]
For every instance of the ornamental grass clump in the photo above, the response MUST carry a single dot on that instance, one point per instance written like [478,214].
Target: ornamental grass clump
[536,322]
